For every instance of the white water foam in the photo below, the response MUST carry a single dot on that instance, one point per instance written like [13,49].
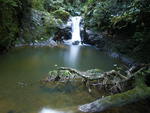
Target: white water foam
[76,29]
[47,110]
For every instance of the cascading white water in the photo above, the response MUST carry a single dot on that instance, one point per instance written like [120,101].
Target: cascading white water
[73,54]
[48,110]
[76,29]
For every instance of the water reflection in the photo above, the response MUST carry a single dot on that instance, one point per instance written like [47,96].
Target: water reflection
[48,110]
[74,55]
[30,65]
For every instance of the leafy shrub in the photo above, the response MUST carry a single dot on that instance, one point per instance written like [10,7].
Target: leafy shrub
[37,4]
[9,26]
[61,14]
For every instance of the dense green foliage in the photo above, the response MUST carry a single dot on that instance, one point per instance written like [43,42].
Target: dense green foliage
[34,20]
[37,4]
[116,14]
[19,19]
[71,6]
[9,22]
[128,18]
[46,18]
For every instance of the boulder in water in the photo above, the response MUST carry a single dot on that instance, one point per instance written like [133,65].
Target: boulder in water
[76,43]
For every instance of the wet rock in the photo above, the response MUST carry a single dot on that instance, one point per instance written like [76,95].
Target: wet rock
[78,13]
[39,25]
[93,38]
[67,33]
[58,75]
[63,34]
[52,43]
[37,17]
[76,43]
[57,78]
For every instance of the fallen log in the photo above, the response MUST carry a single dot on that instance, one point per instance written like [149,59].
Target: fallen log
[111,78]
[120,99]
[141,91]
[116,81]
[90,76]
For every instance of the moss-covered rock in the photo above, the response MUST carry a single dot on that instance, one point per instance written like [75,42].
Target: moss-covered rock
[37,4]
[58,75]
[41,26]
[61,14]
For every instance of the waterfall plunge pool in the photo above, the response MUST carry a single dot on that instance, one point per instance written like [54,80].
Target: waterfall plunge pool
[28,65]
[22,69]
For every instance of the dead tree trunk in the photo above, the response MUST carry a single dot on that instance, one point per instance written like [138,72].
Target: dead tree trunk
[141,90]
[114,79]
[120,99]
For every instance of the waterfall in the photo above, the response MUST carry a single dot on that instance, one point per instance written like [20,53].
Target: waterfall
[76,29]
[74,23]
[73,54]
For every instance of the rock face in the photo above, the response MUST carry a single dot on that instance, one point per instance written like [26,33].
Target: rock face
[92,38]
[52,43]
[63,33]
[40,25]
[37,17]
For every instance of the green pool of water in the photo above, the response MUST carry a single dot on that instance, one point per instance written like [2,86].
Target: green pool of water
[28,65]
